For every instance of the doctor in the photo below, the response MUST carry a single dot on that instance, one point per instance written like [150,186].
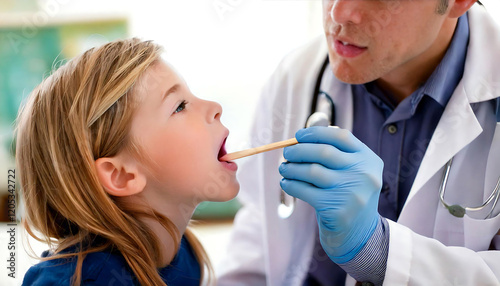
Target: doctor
[415,86]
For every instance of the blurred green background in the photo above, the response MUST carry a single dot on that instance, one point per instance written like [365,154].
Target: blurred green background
[26,57]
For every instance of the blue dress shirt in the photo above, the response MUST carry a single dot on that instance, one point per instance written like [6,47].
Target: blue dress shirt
[399,135]
[111,268]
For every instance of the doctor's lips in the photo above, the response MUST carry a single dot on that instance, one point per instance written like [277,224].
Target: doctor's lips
[347,49]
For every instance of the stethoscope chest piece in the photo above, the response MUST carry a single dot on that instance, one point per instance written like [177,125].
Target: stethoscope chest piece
[318,118]
[285,210]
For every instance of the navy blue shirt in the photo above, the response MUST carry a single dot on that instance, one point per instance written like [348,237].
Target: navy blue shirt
[399,135]
[110,268]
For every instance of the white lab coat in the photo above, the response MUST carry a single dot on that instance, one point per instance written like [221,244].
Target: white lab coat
[428,246]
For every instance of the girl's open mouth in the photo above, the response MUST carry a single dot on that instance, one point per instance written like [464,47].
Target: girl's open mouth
[222,150]
[227,164]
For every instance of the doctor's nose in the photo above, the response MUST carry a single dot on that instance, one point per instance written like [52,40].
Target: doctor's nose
[345,11]
[214,111]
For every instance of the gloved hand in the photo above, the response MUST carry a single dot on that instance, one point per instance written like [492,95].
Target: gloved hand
[341,178]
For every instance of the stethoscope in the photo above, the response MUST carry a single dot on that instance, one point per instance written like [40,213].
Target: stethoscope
[458,210]
[323,114]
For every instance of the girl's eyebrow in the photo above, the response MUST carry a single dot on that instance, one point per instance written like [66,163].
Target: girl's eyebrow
[170,90]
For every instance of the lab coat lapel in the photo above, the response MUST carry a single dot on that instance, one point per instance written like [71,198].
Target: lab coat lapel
[458,125]
[457,128]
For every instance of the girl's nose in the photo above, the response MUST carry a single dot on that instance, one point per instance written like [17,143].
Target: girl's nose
[214,111]
[345,11]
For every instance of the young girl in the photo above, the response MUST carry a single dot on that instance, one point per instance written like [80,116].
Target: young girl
[114,154]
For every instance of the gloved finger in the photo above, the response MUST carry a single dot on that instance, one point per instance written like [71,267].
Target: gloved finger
[314,174]
[324,154]
[304,191]
[340,138]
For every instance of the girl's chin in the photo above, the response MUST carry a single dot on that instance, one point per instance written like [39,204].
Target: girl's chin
[228,193]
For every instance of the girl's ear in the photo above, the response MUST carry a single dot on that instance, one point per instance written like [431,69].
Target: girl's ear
[119,177]
[460,7]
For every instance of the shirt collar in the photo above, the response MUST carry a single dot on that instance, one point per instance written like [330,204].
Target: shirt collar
[443,81]
[445,78]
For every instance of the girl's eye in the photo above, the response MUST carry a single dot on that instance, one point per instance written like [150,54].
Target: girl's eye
[181,106]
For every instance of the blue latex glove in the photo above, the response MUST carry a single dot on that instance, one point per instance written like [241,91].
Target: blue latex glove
[341,178]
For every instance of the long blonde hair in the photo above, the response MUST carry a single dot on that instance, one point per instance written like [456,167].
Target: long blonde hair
[78,114]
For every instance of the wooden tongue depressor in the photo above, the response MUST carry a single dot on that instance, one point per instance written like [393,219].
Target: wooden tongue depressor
[257,150]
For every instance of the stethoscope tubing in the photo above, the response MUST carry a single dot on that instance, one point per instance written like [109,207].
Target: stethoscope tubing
[285,209]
